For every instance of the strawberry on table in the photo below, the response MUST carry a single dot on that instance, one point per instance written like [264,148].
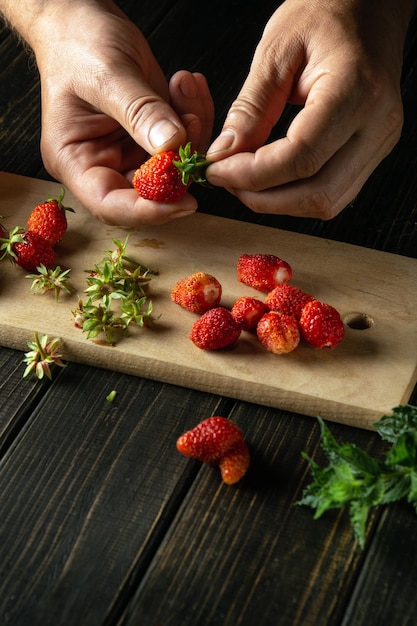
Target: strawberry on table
[198,292]
[263,271]
[219,442]
[247,311]
[287,299]
[166,176]
[49,220]
[215,329]
[321,325]
[27,249]
[278,333]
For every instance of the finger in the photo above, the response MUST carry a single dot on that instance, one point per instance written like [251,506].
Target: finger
[139,103]
[328,192]
[190,97]
[261,100]
[109,196]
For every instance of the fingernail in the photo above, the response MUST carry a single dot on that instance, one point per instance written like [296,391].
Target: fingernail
[188,86]
[223,142]
[174,216]
[162,132]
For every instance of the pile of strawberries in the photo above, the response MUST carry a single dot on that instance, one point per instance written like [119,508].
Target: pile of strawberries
[33,246]
[281,320]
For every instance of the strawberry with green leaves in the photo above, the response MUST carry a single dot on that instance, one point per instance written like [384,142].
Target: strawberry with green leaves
[49,220]
[27,249]
[166,176]
[217,441]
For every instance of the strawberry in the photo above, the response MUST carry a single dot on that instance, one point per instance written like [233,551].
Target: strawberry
[166,176]
[278,333]
[215,329]
[247,311]
[234,465]
[263,271]
[321,325]
[27,249]
[198,292]
[48,219]
[287,299]
[217,441]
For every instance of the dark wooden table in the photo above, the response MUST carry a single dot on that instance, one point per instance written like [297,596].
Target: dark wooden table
[102,522]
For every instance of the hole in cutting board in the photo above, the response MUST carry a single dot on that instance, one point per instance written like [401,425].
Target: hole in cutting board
[358,321]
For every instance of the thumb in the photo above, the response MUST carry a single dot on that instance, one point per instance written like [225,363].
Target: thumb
[144,113]
[256,109]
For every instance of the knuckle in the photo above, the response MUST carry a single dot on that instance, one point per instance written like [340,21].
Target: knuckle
[307,162]
[318,205]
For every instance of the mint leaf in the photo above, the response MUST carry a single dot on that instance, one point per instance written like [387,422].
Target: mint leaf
[356,480]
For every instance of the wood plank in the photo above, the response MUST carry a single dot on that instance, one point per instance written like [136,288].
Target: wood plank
[385,590]
[91,487]
[18,396]
[352,383]
[246,554]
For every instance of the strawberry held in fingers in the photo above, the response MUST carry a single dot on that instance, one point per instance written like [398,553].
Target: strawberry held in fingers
[197,293]
[49,220]
[217,441]
[321,325]
[263,271]
[166,176]
[215,329]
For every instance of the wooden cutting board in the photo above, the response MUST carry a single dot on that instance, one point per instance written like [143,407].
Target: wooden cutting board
[373,370]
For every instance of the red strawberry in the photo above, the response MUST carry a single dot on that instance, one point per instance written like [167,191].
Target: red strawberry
[48,219]
[287,299]
[278,333]
[217,441]
[215,329]
[28,249]
[321,325]
[198,292]
[166,177]
[234,465]
[247,311]
[263,271]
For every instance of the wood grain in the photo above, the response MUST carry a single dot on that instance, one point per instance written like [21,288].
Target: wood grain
[354,383]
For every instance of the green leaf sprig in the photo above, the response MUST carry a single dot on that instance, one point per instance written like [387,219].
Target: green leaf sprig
[356,480]
[116,290]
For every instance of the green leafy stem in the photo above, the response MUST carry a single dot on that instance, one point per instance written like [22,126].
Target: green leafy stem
[356,480]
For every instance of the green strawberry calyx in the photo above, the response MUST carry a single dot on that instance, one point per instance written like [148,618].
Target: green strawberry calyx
[192,165]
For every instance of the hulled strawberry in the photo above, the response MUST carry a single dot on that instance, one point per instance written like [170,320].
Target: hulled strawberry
[166,176]
[247,311]
[49,220]
[198,292]
[215,329]
[263,271]
[27,249]
[278,333]
[321,325]
[219,442]
[287,299]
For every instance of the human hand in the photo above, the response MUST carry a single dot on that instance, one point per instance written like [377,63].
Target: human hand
[106,104]
[342,62]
